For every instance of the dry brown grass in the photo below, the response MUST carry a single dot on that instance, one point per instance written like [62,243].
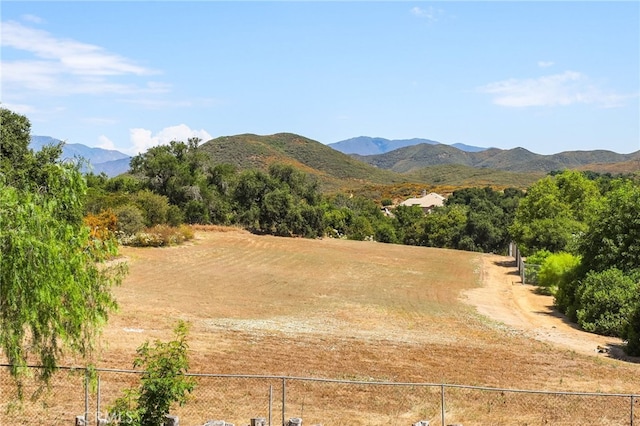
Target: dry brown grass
[336,309]
[387,312]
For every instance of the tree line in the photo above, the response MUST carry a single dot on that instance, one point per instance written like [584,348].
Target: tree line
[177,183]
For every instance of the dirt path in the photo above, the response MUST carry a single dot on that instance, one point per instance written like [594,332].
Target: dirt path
[504,299]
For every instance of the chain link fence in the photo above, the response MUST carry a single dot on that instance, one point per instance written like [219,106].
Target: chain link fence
[237,399]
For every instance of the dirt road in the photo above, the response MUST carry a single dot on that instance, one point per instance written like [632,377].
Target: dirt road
[504,299]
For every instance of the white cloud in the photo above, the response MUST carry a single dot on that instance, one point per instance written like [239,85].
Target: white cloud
[545,64]
[105,143]
[143,139]
[430,13]
[64,66]
[567,88]
[23,109]
[32,18]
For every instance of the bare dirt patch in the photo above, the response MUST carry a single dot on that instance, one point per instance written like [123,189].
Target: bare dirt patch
[505,299]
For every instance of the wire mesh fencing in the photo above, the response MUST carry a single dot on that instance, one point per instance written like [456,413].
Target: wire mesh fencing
[236,399]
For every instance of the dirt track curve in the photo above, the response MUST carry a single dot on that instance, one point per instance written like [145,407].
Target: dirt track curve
[505,299]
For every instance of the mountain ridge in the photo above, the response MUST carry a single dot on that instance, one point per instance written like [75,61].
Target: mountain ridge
[412,158]
[108,161]
[367,145]
[418,163]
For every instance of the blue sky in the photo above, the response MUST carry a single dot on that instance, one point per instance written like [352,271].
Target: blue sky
[547,76]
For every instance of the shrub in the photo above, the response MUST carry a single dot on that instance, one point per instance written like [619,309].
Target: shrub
[538,257]
[605,301]
[130,219]
[632,332]
[163,382]
[102,235]
[385,233]
[175,216]
[557,270]
[159,236]
[153,206]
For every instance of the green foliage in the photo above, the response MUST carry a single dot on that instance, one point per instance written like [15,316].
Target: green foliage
[154,207]
[385,233]
[163,382]
[554,213]
[557,270]
[631,332]
[130,219]
[409,224]
[159,236]
[538,257]
[55,290]
[489,214]
[444,227]
[613,240]
[360,229]
[606,301]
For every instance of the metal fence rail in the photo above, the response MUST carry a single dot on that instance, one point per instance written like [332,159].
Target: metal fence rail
[238,398]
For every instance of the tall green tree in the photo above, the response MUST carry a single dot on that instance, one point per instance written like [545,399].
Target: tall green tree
[613,240]
[54,294]
[554,213]
[179,171]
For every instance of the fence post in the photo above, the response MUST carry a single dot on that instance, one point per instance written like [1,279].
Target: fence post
[632,402]
[86,396]
[442,402]
[270,402]
[97,397]
[284,399]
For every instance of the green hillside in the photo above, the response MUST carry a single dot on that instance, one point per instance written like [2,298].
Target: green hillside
[331,167]
[461,175]
[415,157]
[436,165]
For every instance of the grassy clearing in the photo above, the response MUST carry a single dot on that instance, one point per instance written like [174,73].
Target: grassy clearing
[336,309]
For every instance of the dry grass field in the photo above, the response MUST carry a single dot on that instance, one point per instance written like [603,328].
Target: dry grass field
[354,310]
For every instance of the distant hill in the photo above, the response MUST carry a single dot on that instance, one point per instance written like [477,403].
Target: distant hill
[111,162]
[332,168]
[365,145]
[412,158]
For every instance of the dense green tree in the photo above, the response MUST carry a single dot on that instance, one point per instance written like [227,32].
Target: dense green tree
[613,239]
[408,223]
[54,294]
[631,332]
[554,213]
[178,171]
[154,207]
[445,226]
[130,219]
[606,301]
[489,215]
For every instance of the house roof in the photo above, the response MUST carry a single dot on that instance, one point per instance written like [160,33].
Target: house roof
[426,201]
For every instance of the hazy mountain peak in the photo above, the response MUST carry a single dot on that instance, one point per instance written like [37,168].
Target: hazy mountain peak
[109,161]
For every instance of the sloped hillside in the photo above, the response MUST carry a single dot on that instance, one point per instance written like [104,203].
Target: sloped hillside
[330,166]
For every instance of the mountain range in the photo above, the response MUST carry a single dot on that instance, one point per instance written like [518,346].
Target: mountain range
[108,161]
[418,161]
[415,157]
[365,145]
